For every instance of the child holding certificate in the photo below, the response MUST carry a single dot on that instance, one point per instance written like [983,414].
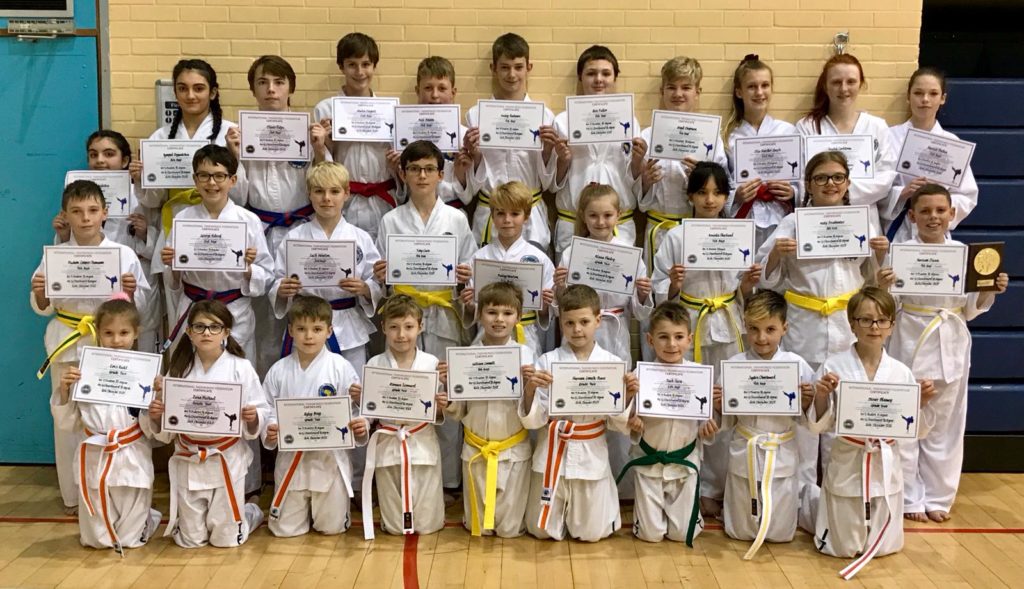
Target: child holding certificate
[85,209]
[926,93]
[117,487]
[859,507]
[764,202]
[931,337]
[761,488]
[666,454]
[511,207]
[208,473]
[572,489]
[404,456]
[373,166]
[510,68]
[312,488]
[578,166]
[494,501]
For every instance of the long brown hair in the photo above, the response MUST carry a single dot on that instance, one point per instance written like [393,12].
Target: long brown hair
[184,353]
[588,195]
[821,102]
[816,162]
[750,63]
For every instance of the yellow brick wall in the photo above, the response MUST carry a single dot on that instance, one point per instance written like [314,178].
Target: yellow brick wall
[147,37]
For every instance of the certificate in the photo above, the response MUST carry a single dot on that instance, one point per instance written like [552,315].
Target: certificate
[858,149]
[391,393]
[436,123]
[274,136]
[116,377]
[319,263]
[208,245]
[937,158]
[586,388]
[314,423]
[832,232]
[528,277]
[168,163]
[678,135]
[422,259]
[877,409]
[81,271]
[485,373]
[923,269]
[718,244]
[202,408]
[363,119]
[674,391]
[116,186]
[761,388]
[772,158]
[600,118]
[510,124]
[603,266]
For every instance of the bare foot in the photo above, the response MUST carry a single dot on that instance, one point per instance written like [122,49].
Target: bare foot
[938,516]
[70,510]
[710,508]
[916,516]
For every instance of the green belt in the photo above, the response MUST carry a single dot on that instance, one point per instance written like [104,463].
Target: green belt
[679,456]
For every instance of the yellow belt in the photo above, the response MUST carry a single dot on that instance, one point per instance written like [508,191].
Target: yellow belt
[489,450]
[528,319]
[656,222]
[185,196]
[939,314]
[705,307]
[485,199]
[770,443]
[82,325]
[825,306]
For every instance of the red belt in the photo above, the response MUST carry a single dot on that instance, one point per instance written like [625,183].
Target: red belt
[379,189]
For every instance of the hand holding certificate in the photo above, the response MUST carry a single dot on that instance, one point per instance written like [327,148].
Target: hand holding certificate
[771,158]
[678,135]
[209,245]
[674,391]
[168,164]
[436,123]
[319,263]
[428,260]
[528,277]
[925,269]
[485,373]
[761,388]
[363,119]
[81,271]
[391,393]
[858,149]
[274,136]
[315,423]
[116,377]
[587,388]
[600,118]
[510,124]
[877,410]
[832,232]
[202,408]
[116,186]
[718,244]
[604,266]
[937,158]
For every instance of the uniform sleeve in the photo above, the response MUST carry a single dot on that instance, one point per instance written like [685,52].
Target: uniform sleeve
[664,259]
[772,280]
[143,291]
[824,423]
[49,310]
[263,267]
[370,257]
[255,396]
[641,311]
[869,191]
[271,390]
[536,415]
[66,417]
[280,308]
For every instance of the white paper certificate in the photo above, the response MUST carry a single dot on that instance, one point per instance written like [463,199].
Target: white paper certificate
[718,244]
[760,388]
[772,158]
[528,277]
[363,119]
[604,266]
[116,186]
[674,391]
[677,135]
[208,245]
[422,259]
[82,272]
[391,393]
[319,263]
[274,136]
[937,158]
[832,232]
[436,123]
[485,373]
[877,409]
[923,269]
[858,149]
[202,408]
[116,377]
[600,118]
[586,388]
[168,163]
[314,423]
[510,124]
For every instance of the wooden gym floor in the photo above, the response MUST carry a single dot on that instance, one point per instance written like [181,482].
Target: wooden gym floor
[981,547]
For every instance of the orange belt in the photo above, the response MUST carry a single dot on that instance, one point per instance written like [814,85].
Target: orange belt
[109,444]
[403,434]
[871,447]
[198,452]
[282,491]
[560,433]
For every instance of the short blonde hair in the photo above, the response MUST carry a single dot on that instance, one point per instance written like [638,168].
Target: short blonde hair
[682,67]
[512,196]
[327,175]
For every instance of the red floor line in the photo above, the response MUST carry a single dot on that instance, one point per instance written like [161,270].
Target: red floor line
[410,578]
